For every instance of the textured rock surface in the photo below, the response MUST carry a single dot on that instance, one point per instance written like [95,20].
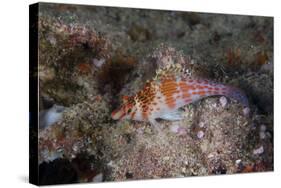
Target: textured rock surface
[91,56]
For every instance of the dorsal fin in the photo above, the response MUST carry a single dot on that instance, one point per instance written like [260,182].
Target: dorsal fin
[169,72]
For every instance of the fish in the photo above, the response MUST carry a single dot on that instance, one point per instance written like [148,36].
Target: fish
[163,98]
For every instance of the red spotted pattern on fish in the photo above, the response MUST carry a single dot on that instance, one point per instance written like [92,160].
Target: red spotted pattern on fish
[163,98]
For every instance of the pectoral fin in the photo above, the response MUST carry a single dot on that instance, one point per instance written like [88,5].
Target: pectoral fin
[173,116]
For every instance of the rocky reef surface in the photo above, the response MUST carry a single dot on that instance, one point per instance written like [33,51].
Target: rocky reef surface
[89,57]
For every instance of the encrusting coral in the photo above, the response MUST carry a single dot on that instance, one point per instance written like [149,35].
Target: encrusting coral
[87,127]
[89,73]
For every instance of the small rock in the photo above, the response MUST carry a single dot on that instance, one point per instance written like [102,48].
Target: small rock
[263,128]
[201,124]
[214,105]
[200,134]
[268,134]
[262,135]
[166,158]
[246,111]
[75,147]
[183,170]
[50,116]
[174,128]
[223,101]
[262,132]
[98,62]
[98,178]
[238,161]
[268,67]
[140,130]
[111,164]
[182,131]
[211,155]
[258,151]
[52,39]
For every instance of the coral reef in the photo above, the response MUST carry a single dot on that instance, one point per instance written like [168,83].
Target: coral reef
[90,57]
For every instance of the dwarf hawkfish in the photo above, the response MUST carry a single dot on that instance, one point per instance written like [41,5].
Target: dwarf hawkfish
[164,97]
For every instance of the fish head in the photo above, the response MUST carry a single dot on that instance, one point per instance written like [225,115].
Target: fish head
[126,110]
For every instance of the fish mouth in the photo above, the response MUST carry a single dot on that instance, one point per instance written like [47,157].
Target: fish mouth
[117,115]
[113,115]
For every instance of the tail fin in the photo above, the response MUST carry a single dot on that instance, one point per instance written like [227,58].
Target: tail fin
[194,90]
[238,95]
